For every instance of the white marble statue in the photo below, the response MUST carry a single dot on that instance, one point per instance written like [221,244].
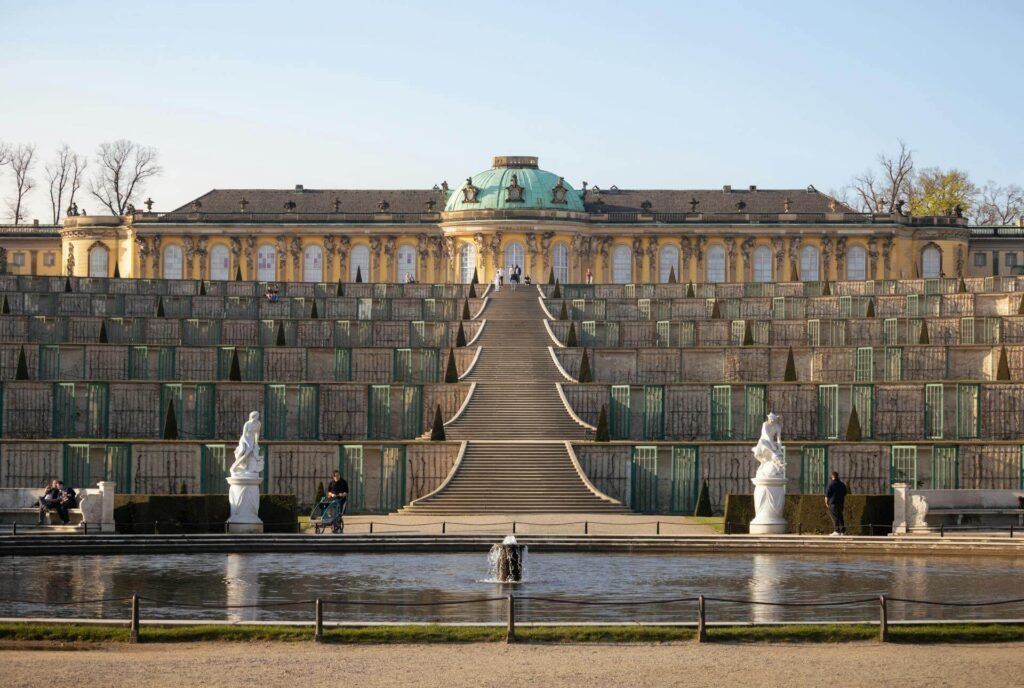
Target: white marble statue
[248,459]
[770,479]
[768,450]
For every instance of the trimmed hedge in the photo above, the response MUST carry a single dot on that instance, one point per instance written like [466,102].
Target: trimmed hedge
[806,513]
[143,514]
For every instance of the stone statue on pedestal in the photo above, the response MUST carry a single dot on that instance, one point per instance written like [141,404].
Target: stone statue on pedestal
[244,480]
[770,479]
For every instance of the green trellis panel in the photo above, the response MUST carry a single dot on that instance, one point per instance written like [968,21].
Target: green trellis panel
[845,306]
[968,411]
[643,480]
[49,362]
[175,393]
[275,421]
[351,460]
[430,365]
[778,308]
[307,421]
[721,412]
[65,410]
[912,306]
[945,468]
[903,465]
[813,469]
[213,469]
[890,332]
[933,411]
[828,412]
[865,366]
[620,412]
[643,308]
[687,334]
[342,365]
[967,330]
[165,363]
[813,333]
[412,411]
[138,363]
[663,330]
[654,412]
[402,365]
[755,408]
[862,397]
[392,478]
[893,364]
[685,478]
[119,466]
[250,363]
[379,416]
[588,333]
[77,465]
[97,407]
[611,333]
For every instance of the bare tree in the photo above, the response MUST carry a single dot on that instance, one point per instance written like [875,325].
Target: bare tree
[123,168]
[22,157]
[881,191]
[64,175]
[5,153]
[999,205]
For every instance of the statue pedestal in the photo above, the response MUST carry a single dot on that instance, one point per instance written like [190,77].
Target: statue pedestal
[769,502]
[244,497]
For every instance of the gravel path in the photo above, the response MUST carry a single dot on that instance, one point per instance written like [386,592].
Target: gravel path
[503,666]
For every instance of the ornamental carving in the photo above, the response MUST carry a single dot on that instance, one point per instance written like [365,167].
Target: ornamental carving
[559,194]
[687,251]
[71,261]
[746,248]
[840,257]
[469,192]
[344,244]
[887,257]
[578,241]
[779,249]
[202,253]
[495,248]
[375,246]
[330,251]
[250,256]
[873,258]
[282,257]
[730,251]
[826,256]
[296,251]
[545,246]
[144,250]
[514,192]
[698,251]
[606,250]
[157,240]
[423,251]
[638,257]
[652,259]
[960,261]
[531,251]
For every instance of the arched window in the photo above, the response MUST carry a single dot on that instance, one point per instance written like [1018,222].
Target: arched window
[467,263]
[172,262]
[762,264]
[359,263]
[220,263]
[622,265]
[716,264]
[560,260]
[266,263]
[856,263]
[809,264]
[313,264]
[406,263]
[98,260]
[514,255]
[668,262]
[931,262]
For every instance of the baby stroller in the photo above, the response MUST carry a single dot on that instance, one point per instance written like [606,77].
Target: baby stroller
[328,514]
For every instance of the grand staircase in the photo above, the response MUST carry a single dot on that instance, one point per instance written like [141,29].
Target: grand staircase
[511,464]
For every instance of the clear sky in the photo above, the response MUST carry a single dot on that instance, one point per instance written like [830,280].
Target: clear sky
[407,94]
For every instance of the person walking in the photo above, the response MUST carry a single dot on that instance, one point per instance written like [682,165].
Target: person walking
[499,279]
[835,498]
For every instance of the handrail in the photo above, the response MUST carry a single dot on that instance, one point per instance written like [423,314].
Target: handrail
[586,480]
[568,407]
[547,326]
[451,473]
[561,370]
[472,364]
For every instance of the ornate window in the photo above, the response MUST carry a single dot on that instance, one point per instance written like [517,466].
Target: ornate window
[514,191]
[931,261]
[359,263]
[173,262]
[467,263]
[220,263]
[856,263]
[560,261]
[668,260]
[313,264]
[716,264]
[762,264]
[514,255]
[809,264]
[622,265]
[266,263]
[406,263]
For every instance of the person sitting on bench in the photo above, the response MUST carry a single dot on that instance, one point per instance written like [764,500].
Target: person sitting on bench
[49,500]
[68,500]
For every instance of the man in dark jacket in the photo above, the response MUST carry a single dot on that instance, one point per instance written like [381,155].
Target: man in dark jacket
[337,489]
[68,500]
[835,498]
[49,500]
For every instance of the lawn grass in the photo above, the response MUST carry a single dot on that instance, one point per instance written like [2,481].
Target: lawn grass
[716,522]
[383,635]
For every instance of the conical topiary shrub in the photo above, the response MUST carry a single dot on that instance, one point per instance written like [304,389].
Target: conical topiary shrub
[22,372]
[585,374]
[563,313]
[359,274]
[961,288]
[853,430]
[437,430]
[703,506]
[202,292]
[280,335]
[235,373]
[870,313]
[790,374]
[826,290]
[472,290]
[690,293]
[183,489]
[716,311]
[320,492]
[793,271]
[67,285]
[465,310]
[672,275]
[340,291]
[160,307]
[6,308]
[460,336]
[601,433]
[117,271]
[314,314]
[103,332]
[171,422]
[557,293]
[551,276]
[476,278]
[923,338]
[748,334]
[1003,370]
[570,339]
[451,371]
[238,273]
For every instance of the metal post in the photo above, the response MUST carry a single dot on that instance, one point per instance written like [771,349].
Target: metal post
[799,528]
[513,527]
[510,633]
[702,631]
[657,527]
[586,526]
[883,620]
[942,530]
[14,530]
[371,527]
[442,527]
[1011,530]
[318,634]
[133,630]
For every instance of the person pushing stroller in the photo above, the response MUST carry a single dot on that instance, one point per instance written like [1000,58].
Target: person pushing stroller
[337,491]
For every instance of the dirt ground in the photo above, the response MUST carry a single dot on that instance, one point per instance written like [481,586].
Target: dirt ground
[507,666]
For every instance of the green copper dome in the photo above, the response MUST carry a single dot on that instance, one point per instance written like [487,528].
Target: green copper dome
[512,178]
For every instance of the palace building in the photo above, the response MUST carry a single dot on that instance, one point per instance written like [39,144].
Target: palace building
[513,213]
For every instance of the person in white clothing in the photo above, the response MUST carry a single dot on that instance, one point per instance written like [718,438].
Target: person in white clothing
[498,278]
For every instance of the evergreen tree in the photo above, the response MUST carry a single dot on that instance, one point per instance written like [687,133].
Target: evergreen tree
[790,375]
[716,311]
[563,313]
[22,372]
[6,308]
[1003,371]
[871,309]
[570,339]
[451,372]
[67,285]
[465,310]
[103,332]
[557,293]
[280,334]
[183,489]
[437,431]
[202,288]
[359,274]
[460,336]
[672,275]
[748,334]
[171,422]
[238,272]
[340,291]
[551,276]
[472,290]
[924,339]
[320,492]
[703,507]
[826,290]
[962,287]
[235,374]
[1020,307]
[690,293]
[160,307]
[117,270]
[314,314]
[853,430]
[585,374]
[476,279]
[601,434]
